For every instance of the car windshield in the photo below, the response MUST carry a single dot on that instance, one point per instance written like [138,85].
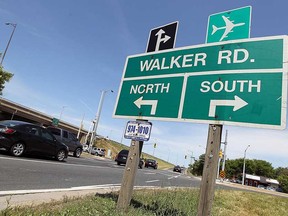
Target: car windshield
[55,131]
[11,123]
[124,152]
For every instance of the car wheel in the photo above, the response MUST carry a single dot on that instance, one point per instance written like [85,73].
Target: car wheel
[96,154]
[17,149]
[77,152]
[60,155]
[118,163]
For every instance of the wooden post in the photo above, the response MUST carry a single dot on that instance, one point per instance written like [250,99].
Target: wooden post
[210,170]
[128,179]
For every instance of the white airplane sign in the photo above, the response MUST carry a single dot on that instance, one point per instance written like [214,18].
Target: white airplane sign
[229,25]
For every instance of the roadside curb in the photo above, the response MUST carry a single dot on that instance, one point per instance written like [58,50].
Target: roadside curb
[37,197]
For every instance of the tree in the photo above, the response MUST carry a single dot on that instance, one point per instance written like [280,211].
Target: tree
[283,181]
[281,171]
[5,76]
[197,167]
[263,168]
[234,168]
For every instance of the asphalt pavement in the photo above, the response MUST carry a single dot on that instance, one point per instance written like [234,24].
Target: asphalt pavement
[30,181]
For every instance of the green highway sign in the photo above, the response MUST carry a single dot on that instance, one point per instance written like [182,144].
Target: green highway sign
[239,82]
[55,121]
[229,25]
[240,55]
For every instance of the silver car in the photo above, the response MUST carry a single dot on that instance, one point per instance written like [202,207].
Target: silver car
[98,151]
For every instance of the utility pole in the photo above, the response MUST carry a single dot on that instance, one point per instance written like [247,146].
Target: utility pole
[225,149]
[80,127]
[97,117]
[14,25]
[243,175]
[223,155]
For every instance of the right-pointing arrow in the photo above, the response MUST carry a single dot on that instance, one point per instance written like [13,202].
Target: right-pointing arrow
[160,39]
[237,103]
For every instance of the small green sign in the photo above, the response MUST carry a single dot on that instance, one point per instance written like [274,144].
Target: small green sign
[55,121]
[229,25]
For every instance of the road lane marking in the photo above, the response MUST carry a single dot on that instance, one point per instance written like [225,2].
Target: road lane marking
[152,181]
[173,177]
[112,187]
[54,163]
[149,173]
[59,189]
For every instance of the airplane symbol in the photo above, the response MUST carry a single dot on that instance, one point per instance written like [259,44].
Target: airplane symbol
[229,25]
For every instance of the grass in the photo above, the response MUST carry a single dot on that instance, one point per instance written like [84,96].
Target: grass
[170,202]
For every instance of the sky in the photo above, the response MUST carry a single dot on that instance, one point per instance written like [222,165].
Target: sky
[64,53]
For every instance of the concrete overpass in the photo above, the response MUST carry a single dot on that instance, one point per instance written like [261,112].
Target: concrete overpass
[11,110]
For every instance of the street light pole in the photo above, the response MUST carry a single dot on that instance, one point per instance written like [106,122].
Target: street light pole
[243,175]
[14,27]
[96,120]
[62,112]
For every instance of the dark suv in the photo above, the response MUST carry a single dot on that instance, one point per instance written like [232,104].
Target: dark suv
[68,139]
[151,163]
[122,156]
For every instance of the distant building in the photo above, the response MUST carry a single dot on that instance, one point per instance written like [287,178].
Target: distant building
[255,181]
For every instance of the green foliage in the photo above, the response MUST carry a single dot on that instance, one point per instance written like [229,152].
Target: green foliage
[234,168]
[283,181]
[197,167]
[280,171]
[4,77]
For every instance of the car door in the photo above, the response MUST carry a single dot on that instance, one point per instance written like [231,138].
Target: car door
[32,138]
[66,140]
[73,140]
[48,143]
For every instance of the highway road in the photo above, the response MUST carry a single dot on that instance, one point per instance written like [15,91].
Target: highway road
[30,173]
[29,179]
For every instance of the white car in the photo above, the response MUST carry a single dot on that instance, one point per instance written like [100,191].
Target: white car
[98,151]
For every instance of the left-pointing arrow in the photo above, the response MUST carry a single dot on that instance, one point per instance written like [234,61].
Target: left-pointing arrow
[153,103]
[238,103]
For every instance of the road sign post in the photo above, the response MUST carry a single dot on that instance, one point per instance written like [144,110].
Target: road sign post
[128,179]
[210,170]
[242,25]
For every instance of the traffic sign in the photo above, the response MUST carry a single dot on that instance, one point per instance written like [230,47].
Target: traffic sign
[222,174]
[239,82]
[138,130]
[55,121]
[162,37]
[229,25]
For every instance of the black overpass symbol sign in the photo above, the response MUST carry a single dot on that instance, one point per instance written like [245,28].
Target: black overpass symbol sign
[162,37]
